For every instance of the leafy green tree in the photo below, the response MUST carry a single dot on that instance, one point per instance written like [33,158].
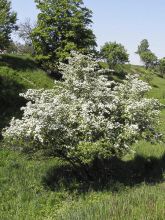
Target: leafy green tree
[149,59]
[12,48]
[114,54]
[146,55]
[7,23]
[143,47]
[62,26]
[162,66]
[19,48]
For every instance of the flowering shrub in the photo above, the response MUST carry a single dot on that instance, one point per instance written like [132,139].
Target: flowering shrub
[85,116]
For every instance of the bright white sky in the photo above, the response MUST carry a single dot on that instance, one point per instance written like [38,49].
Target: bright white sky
[124,21]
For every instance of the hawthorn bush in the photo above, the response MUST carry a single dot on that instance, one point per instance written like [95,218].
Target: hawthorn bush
[85,116]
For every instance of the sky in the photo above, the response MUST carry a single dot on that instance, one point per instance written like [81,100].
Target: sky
[124,21]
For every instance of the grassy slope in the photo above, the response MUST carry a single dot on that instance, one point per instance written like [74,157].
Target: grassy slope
[17,74]
[24,194]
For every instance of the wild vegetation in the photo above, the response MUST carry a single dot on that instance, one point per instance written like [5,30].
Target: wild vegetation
[62,26]
[38,188]
[89,145]
[16,75]
[146,55]
[7,23]
[114,54]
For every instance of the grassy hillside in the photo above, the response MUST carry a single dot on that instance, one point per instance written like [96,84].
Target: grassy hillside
[17,74]
[34,189]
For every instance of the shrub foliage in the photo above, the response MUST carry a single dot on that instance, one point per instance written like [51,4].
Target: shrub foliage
[86,116]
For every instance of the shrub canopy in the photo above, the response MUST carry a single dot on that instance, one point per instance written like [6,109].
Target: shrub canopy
[85,116]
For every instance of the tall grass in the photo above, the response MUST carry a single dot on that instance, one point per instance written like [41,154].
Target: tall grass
[141,202]
[31,189]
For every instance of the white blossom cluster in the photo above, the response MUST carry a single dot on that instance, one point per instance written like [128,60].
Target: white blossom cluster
[86,115]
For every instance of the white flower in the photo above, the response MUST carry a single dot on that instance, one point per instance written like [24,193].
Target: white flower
[86,107]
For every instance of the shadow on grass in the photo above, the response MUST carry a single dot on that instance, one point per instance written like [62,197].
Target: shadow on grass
[155,86]
[106,175]
[10,101]
[17,62]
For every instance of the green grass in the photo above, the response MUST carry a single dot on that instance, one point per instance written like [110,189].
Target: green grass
[22,194]
[39,189]
[142,202]
[17,74]
[24,71]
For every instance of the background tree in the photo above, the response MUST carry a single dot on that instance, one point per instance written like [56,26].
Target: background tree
[143,47]
[146,55]
[162,66]
[114,54]
[7,23]
[19,48]
[25,32]
[149,59]
[62,26]
[12,48]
